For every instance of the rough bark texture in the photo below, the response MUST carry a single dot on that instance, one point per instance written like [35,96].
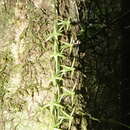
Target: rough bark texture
[27,66]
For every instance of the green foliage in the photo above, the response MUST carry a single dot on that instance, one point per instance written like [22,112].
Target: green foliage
[56,107]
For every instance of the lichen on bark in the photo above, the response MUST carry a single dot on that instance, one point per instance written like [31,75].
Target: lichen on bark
[30,90]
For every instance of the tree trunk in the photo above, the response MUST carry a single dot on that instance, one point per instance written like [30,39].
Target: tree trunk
[38,59]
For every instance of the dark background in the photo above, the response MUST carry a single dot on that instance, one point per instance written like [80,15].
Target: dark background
[105,62]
